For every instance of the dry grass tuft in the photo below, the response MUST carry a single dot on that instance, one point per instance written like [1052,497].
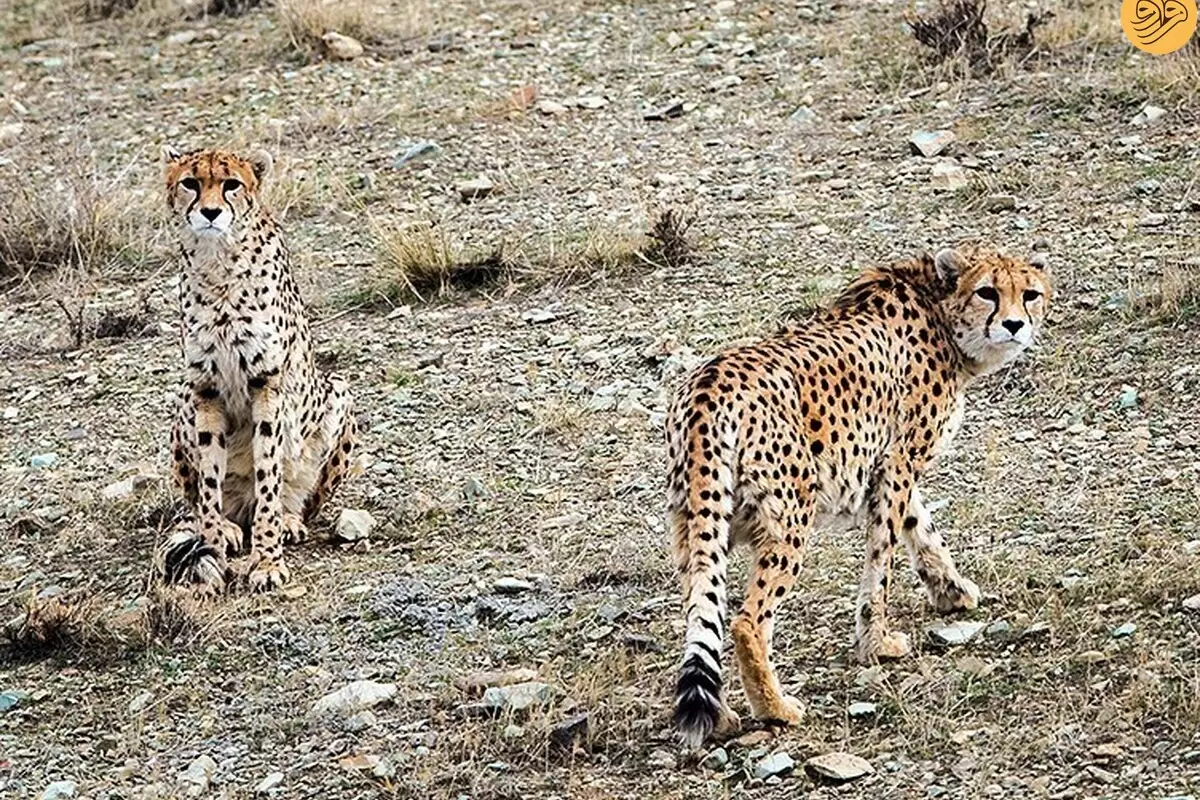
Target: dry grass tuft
[423,261]
[307,21]
[52,624]
[80,226]
[169,617]
[669,243]
[595,254]
[1172,295]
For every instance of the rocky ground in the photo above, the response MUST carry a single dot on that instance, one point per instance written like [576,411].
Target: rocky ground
[512,626]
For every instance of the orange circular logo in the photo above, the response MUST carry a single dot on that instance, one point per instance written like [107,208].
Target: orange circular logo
[1158,26]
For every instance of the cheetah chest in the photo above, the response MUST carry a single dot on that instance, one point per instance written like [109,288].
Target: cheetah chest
[226,347]
[950,427]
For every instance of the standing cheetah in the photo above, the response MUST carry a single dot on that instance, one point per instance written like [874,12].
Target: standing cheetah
[261,439]
[839,416]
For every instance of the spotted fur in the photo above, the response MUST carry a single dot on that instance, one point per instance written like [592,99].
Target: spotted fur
[261,439]
[840,416]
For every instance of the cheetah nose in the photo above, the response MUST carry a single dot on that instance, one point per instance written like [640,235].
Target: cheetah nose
[211,214]
[1013,325]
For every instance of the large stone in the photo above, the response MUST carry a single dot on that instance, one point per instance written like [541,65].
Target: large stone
[355,697]
[196,778]
[475,189]
[518,697]
[948,177]
[778,763]
[341,47]
[354,524]
[956,633]
[838,767]
[931,143]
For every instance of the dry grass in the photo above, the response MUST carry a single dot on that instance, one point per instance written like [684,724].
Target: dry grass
[957,30]
[424,261]
[169,617]
[45,625]
[381,25]
[78,225]
[669,243]
[594,254]
[1172,295]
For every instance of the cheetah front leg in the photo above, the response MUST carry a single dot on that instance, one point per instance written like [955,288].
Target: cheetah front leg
[197,551]
[873,639]
[267,568]
[947,590]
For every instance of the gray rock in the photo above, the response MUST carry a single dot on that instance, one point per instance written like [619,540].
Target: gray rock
[956,633]
[1191,604]
[1000,627]
[140,701]
[863,709]
[269,783]
[417,152]
[59,790]
[1153,221]
[11,698]
[43,460]
[341,47]
[539,316]
[476,189]
[662,759]
[360,722]
[739,191]
[1147,186]
[354,524]
[724,82]
[667,111]
[551,108]
[512,586]
[1148,115]
[354,697]
[948,177]
[196,778]
[716,760]
[778,763]
[931,143]
[803,116]
[517,697]
[1124,631]
[838,767]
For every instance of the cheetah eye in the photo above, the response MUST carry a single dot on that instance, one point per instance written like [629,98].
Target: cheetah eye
[1030,295]
[988,293]
[191,184]
[231,185]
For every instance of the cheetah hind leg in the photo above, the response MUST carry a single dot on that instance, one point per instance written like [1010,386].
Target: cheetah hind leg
[339,417]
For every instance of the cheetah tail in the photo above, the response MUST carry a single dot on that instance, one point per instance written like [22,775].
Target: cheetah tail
[702,528]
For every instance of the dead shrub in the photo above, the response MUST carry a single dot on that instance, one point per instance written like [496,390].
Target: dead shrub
[45,625]
[423,261]
[669,244]
[1172,295]
[169,617]
[956,29]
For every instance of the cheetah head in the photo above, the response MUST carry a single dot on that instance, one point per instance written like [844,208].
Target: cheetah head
[214,192]
[999,304]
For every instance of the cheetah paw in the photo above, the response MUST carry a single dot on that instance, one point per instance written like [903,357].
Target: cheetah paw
[268,575]
[294,529]
[787,710]
[228,536]
[887,647]
[959,594]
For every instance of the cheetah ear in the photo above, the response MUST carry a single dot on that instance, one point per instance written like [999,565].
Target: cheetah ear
[170,154]
[262,164]
[948,265]
[1040,261]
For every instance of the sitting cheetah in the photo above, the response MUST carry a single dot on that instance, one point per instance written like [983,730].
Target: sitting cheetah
[843,414]
[261,439]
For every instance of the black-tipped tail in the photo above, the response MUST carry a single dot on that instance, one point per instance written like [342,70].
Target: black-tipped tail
[186,558]
[697,701]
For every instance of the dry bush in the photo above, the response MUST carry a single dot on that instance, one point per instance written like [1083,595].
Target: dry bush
[956,29]
[62,622]
[79,225]
[594,254]
[423,261]
[1174,294]
[169,617]
[669,244]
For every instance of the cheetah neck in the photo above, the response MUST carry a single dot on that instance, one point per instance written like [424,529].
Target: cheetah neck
[217,263]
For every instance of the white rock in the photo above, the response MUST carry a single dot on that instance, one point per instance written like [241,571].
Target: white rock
[59,790]
[10,131]
[183,37]
[268,783]
[512,586]
[518,697]
[475,189]
[354,524]
[864,709]
[957,633]
[551,108]
[948,177]
[341,47]
[354,697]
[1192,603]
[1149,114]
[140,701]
[197,777]
[931,143]
[839,767]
